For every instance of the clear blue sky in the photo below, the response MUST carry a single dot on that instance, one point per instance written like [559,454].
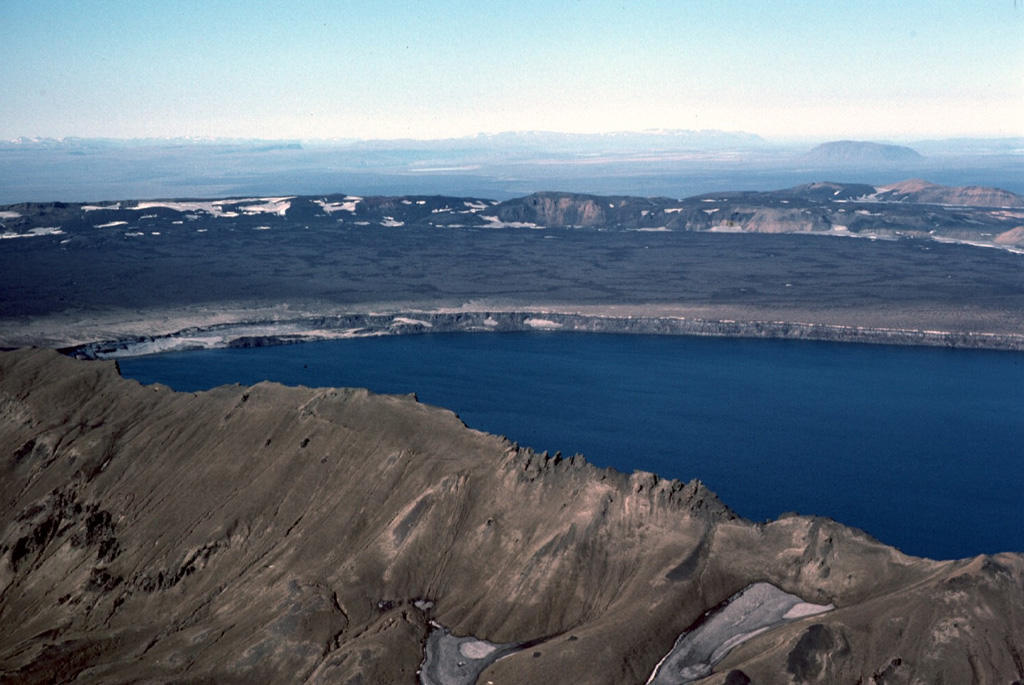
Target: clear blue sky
[385,69]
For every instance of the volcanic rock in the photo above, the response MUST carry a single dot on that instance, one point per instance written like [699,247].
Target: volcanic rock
[277,534]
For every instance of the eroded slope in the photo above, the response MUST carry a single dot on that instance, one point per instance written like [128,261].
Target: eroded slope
[298,535]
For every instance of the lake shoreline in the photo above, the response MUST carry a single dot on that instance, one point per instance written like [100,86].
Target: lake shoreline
[261,329]
[852,432]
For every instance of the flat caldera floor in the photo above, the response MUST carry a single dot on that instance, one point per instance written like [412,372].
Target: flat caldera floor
[64,290]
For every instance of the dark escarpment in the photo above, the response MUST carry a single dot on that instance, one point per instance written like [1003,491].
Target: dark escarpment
[276,534]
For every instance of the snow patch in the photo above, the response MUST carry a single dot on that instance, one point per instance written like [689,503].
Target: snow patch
[477,649]
[755,610]
[111,224]
[807,609]
[331,207]
[34,233]
[403,321]
[6,214]
[273,205]
[211,207]
[495,222]
[546,324]
[257,205]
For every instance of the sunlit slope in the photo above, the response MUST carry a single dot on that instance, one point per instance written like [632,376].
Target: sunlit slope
[292,534]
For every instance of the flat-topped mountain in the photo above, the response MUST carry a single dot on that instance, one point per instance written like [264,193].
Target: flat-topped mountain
[862,153]
[275,534]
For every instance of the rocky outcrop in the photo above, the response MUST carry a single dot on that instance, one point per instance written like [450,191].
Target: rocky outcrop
[282,534]
[772,220]
[922,192]
[1015,236]
[826,191]
[554,209]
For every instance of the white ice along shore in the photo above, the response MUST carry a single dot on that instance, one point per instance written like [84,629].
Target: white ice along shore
[221,336]
[750,612]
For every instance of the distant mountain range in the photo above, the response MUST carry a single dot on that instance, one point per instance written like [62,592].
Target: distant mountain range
[659,140]
[653,140]
[550,141]
[674,163]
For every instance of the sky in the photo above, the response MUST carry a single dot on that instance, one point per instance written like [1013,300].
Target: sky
[312,69]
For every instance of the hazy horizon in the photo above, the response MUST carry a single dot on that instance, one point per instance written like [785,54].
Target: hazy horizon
[789,141]
[787,71]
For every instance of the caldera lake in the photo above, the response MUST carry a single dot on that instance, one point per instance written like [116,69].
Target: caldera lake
[920,447]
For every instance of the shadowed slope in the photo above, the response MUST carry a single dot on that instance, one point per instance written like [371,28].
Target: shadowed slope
[289,534]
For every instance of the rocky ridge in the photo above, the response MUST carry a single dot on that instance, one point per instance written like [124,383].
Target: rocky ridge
[311,535]
[919,191]
[911,209]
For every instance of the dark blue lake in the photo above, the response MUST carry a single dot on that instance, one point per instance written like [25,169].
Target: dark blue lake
[921,447]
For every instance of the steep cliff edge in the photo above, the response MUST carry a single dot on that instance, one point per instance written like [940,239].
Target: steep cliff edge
[283,534]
